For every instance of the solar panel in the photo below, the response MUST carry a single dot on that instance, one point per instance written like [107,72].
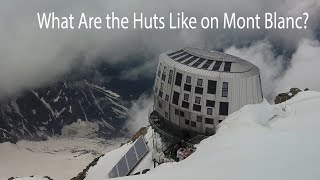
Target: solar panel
[130,159]
[217,65]
[174,53]
[227,67]
[190,60]
[141,148]
[196,64]
[179,55]
[207,64]
[184,58]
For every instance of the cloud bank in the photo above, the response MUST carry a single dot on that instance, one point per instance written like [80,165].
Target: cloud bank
[31,58]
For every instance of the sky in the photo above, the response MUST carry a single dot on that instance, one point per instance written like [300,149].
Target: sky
[32,58]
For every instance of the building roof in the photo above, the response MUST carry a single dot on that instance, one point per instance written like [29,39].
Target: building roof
[210,60]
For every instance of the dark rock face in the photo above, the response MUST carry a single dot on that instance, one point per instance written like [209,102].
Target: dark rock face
[44,112]
[96,101]
[282,97]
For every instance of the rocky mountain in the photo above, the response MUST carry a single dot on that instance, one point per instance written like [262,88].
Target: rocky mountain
[90,104]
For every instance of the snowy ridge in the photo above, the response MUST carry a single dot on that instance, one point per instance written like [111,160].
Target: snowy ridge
[260,141]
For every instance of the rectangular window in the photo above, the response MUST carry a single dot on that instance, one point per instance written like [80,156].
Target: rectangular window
[212,85]
[160,94]
[167,98]
[161,87]
[199,82]
[164,76]
[188,79]
[156,89]
[187,87]
[210,111]
[170,76]
[175,98]
[198,90]
[196,107]
[166,114]
[178,79]
[159,71]
[160,104]
[186,97]
[193,124]
[227,67]
[199,119]
[197,100]
[185,104]
[224,108]
[225,89]
[209,121]
[181,113]
[176,112]
[186,122]
[210,103]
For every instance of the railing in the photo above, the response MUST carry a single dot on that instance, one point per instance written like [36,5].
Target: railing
[156,124]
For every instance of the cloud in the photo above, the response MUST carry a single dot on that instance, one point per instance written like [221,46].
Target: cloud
[304,68]
[138,113]
[270,65]
[31,58]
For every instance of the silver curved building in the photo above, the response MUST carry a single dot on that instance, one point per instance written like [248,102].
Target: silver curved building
[196,89]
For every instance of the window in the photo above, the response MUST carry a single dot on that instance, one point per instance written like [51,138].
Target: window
[186,97]
[156,89]
[196,107]
[185,104]
[160,94]
[193,124]
[176,112]
[210,103]
[160,104]
[163,77]
[209,121]
[224,108]
[199,119]
[187,87]
[199,82]
[181,113]
[161,87]
[186,122]
[167,97]
[212,85]
[225,89]
[159,71]
[170,76]
[166,114]
[197,100]
[198,90]
[210,111]
[227,67]
[164,73]
[188,79]
[175,98]
[178,79]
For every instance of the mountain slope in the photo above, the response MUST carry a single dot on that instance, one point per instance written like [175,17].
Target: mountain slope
[258,142]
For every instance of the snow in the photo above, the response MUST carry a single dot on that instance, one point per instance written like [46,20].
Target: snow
[58,158]
[259,141]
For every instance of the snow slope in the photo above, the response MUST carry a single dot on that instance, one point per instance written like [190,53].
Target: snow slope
[58,158]
[258,142]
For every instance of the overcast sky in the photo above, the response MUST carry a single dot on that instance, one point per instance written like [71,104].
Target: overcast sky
[31,58]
